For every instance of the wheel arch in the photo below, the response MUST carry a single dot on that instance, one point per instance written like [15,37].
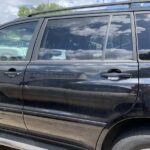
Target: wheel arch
[111,132]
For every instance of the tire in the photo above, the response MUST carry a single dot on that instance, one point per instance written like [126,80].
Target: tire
[133,141]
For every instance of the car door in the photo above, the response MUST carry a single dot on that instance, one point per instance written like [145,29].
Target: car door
[15,49]
[83,74]
[143,38]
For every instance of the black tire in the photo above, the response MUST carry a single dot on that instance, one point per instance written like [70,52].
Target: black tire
[133,141]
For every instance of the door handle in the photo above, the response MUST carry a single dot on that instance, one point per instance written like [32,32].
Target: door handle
[116,76]
[12,74]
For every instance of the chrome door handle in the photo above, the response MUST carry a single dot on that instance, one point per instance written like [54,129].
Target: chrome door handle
[116,76]
[12,74]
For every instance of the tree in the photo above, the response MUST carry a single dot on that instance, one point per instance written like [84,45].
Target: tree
[23,10]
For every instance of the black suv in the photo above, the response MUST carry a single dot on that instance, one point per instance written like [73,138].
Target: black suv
[78,80]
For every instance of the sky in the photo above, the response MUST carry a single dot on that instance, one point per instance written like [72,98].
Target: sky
[9,8]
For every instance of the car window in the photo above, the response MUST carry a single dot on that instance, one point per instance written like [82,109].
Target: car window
[74,39]
[119,45]
[15,40]
[143,34]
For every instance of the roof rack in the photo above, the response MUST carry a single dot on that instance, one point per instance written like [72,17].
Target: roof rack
[130,4]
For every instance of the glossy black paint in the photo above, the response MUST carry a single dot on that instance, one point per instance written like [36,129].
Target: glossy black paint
[11,83]
[77,91]
[144,85]
[11,79]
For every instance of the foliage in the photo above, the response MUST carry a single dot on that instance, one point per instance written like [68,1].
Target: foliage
[23,10]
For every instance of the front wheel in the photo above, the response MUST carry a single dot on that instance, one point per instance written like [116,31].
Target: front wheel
[133,141]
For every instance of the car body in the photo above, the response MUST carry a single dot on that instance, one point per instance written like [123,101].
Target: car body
[75,80]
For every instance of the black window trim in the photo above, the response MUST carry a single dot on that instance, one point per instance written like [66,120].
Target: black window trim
[33,40]
[41,34]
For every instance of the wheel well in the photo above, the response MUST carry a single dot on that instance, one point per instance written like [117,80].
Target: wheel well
[123,127]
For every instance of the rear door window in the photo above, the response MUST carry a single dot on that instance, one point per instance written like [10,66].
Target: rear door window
[119,44]
[74,39]
[90,38]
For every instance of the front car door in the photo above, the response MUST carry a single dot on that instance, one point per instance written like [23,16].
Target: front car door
[83,74]
[15,49]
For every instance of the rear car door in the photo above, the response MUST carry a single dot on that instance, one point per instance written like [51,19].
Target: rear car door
[143,39]
[83,74]
[15,50]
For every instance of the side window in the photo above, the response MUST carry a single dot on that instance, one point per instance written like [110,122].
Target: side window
[74,39]
[15,40]
[119,43]
[143,34]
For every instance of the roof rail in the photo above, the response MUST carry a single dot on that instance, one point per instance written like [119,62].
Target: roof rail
[129,3]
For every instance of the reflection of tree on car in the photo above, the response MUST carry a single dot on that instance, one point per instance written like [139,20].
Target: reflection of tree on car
[59,54]
[50,54]
[84,54]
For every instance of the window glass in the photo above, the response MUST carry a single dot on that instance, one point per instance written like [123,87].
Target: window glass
[15,40]
[143,34]
[74,39]
[119,45]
